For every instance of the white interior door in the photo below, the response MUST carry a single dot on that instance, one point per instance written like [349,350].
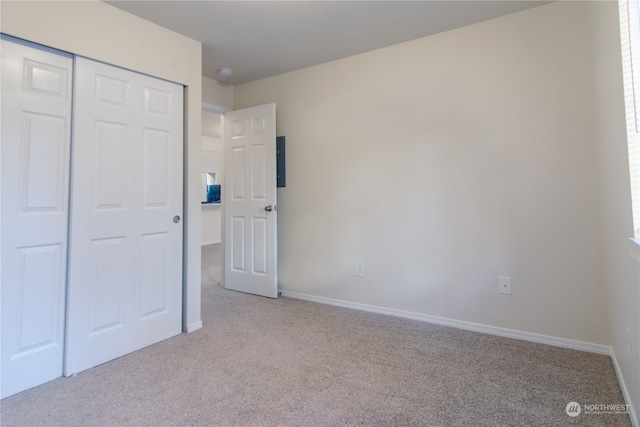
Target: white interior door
[250,201]
[36,117]
[125,259]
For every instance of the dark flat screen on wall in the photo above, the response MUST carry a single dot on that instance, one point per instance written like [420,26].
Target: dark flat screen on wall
[281,171]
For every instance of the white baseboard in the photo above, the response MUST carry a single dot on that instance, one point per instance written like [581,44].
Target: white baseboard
[194,326]
[210,242]
[635,422]
[461,324]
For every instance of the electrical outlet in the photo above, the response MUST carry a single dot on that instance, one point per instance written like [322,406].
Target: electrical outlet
[505,285]
[359,269]
[629,348]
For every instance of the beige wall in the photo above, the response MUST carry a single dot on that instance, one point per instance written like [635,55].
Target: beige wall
[100,31]
[622,272]
[443,163]
[217,93]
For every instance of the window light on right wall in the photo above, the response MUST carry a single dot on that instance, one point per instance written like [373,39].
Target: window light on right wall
[630,43]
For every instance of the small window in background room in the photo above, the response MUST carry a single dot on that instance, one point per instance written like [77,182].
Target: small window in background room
[630,38]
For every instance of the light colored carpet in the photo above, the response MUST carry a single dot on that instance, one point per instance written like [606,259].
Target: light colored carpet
[285,362]
[211,263]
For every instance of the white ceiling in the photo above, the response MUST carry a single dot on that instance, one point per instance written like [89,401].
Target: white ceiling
[259,39]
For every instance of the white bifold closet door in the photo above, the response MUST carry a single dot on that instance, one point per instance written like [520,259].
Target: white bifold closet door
[91,241]
[125,259]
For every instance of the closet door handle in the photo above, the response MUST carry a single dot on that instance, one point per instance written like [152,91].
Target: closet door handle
[176,219]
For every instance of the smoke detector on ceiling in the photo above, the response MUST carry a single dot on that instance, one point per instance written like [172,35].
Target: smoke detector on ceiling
[225,72]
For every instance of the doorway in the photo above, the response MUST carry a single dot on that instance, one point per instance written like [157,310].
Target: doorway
[212,192]
[249,202]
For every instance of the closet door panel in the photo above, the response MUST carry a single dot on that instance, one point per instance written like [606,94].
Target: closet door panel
[125,284]
[36,119]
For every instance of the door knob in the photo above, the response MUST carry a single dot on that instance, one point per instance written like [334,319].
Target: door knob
[176,219]
[268,208]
